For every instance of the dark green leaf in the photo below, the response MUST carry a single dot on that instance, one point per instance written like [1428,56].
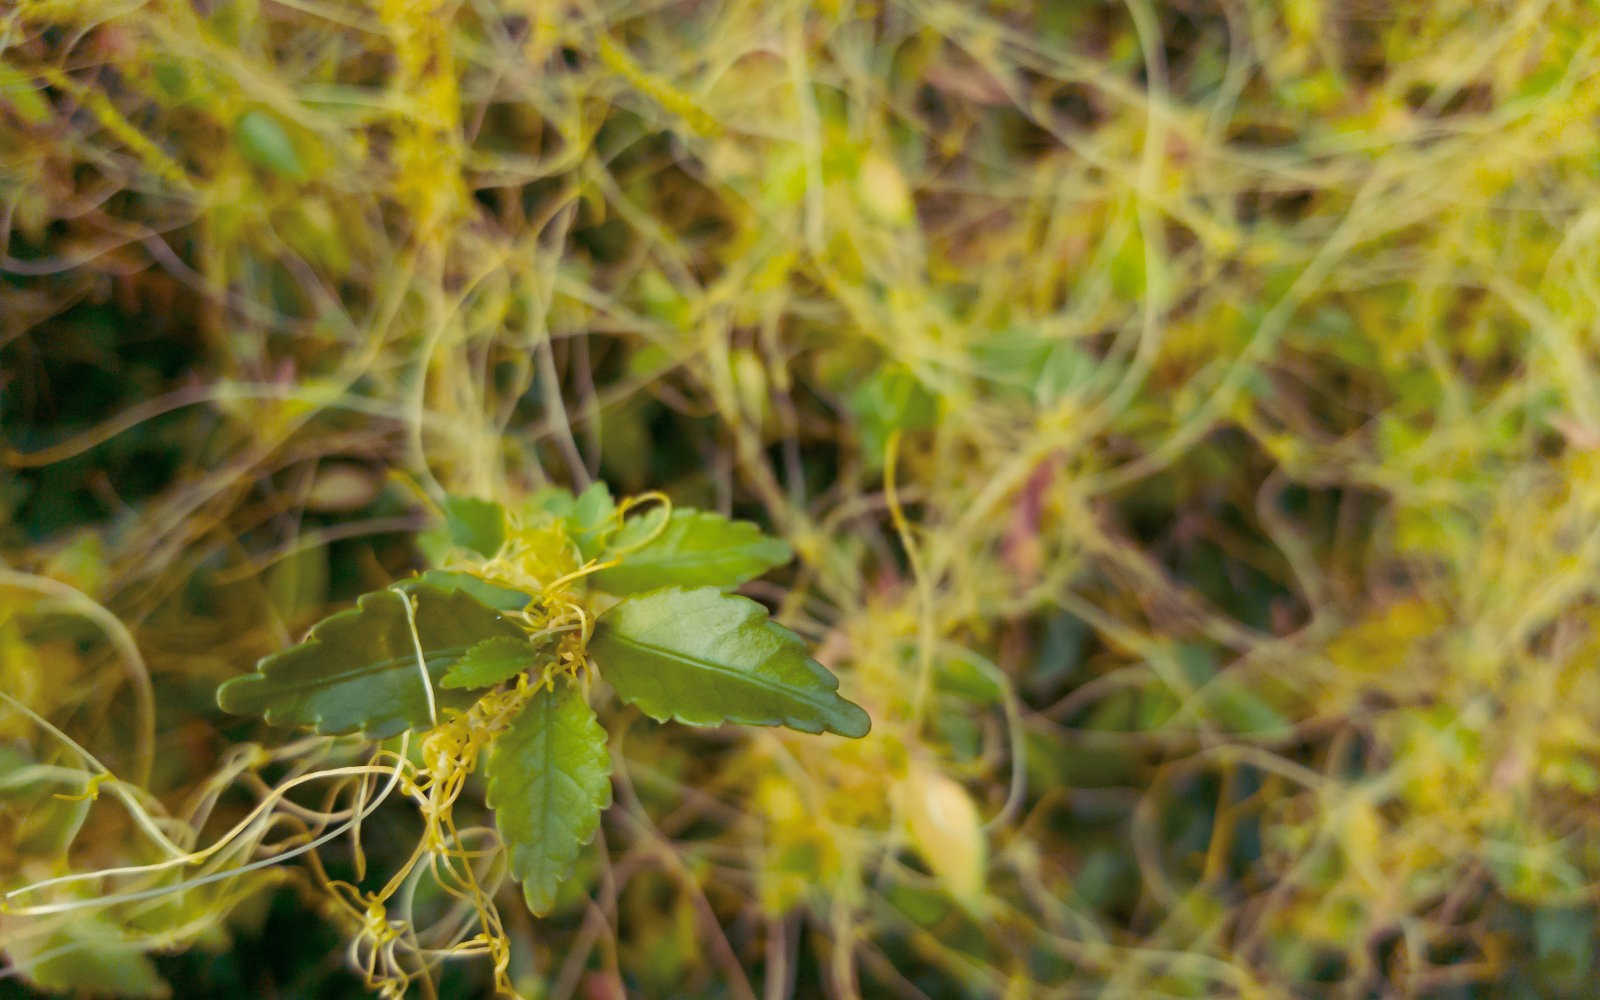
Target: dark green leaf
[491,661]
[549,778]
[705,657]
[358,668]
[695,549]
[1060,653]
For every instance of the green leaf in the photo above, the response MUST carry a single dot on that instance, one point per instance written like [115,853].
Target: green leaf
[891,399]
[696,548]
[298,585]
[705,658]
[1026,362]
[469,523]
[357,670]
[1241,710]
[593,515]
[549,778]
[491,661]
[590,516]
[553,500]
[972,677]
[490,594]
[264,143]
[88,955]
[43,806]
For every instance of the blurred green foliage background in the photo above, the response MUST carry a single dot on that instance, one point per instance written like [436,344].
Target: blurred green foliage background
[1185,416]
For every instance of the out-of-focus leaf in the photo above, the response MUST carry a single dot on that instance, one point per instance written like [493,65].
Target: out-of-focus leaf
[265,143]
[883,190]
[1060,653]
[625,448]
[43,805]
[705,657]
[341,487]
[971,676]
[357,670]
[298,583]
[946,830]
[922,906]
[1241,710]
[891,399]
[1026,362]
[549,778]
[88,957]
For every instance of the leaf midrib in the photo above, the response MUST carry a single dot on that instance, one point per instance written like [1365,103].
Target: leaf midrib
[547,711]
[818,701]
[644,557]
[429,656]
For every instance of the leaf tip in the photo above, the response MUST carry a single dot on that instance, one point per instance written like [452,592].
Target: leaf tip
[851,721]
[234,695]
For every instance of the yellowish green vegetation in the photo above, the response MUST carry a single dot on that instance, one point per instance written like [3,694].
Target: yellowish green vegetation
[1184,418]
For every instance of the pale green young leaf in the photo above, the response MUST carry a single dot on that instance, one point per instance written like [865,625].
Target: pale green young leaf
[705,657]
[554,501]
[592,517]
[357,670]
[695,548]
[493,660]
[549,778]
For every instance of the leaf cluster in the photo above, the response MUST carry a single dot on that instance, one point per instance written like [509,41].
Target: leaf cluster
[666,636]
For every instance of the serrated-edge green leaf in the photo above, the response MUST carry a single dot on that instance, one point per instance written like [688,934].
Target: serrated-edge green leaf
[696,548]
[491,661]
[549,778]
[357,670]
[704,657]
[489,594]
